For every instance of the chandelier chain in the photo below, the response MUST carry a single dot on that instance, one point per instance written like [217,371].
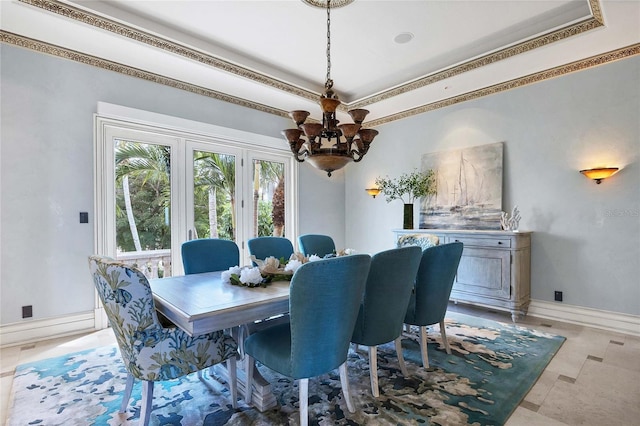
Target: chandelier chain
[329,83]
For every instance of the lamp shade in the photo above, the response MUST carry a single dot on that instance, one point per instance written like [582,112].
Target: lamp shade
[373,191]
[599,173]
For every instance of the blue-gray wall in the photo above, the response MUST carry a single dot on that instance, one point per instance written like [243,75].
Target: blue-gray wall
[46,173]
[586,239]
[586,236]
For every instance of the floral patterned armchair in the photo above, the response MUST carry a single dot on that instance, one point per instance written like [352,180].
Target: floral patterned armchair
[423,240]
[150,352]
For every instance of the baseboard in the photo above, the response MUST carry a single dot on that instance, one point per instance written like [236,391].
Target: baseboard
[605,320]
[31,331]
[36,330]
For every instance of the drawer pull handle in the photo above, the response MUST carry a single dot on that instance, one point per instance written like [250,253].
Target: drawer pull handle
[499,242]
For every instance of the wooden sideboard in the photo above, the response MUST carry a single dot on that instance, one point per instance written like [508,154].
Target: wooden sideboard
[495,268]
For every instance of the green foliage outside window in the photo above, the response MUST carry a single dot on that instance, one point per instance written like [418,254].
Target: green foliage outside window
[143,176]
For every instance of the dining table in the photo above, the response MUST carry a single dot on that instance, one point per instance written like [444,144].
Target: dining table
[203,303]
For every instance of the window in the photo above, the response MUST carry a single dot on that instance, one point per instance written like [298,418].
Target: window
[157,187]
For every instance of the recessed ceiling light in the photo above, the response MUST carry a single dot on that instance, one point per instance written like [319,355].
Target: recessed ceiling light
[403,38]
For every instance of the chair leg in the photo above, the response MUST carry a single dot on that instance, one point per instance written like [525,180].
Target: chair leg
[200,376]
[248,369]
[146,403]
[403,366]
[423,346]
[443,333]
[233,381]
[127,393]
[373,370]
[344,382]
[303,386]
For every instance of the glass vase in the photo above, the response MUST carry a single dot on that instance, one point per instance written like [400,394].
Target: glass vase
[408,217]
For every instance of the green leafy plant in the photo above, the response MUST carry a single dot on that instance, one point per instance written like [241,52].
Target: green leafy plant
[408,186]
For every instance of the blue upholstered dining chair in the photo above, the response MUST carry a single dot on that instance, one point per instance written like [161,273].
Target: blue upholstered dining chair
[317,244]
[208,255]
[263,247]
[428,304]
[386,296]
[150,352]
[323,306]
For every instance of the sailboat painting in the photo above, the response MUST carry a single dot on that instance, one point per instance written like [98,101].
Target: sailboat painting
[469,189]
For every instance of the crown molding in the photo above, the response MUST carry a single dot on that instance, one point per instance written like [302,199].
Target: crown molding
[558,71]
[49,49]
[132,33]
[81,15]
[587,24]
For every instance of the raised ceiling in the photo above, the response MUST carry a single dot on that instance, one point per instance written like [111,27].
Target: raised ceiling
[270,55]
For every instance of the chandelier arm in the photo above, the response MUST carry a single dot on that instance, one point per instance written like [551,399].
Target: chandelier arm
[300,156]
[356,155]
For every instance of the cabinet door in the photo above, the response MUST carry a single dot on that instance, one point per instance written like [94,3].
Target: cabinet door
[484,273]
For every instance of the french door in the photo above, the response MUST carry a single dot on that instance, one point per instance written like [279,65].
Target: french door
[157,188]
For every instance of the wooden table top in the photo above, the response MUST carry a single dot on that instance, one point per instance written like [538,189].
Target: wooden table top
[201,303]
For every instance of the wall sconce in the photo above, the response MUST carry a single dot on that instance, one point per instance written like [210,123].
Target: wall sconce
[599,174]
[373,191]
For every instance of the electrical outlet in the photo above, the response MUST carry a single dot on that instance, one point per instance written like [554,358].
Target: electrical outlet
[27,311]
[558,296]
[84,217]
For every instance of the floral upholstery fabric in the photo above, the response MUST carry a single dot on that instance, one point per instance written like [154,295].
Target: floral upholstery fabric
[423,240]
[149,351]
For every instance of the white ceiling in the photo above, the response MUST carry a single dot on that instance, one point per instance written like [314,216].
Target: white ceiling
[273,53]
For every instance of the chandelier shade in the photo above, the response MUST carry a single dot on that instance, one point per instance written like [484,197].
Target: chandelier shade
[329,146]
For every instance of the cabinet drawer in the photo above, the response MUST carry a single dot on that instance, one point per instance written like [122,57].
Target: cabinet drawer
[481,242]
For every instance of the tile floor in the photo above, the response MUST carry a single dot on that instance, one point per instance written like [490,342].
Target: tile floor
[593,380]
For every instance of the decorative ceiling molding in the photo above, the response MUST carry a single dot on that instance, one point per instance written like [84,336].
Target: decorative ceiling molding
[63,9]
[526,46]
[559,71]
[38,46]
[120,29]
[49,49]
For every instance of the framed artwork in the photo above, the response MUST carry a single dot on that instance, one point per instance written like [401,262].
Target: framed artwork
[469,189]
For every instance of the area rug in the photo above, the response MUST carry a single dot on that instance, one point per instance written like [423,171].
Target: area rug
[491,368]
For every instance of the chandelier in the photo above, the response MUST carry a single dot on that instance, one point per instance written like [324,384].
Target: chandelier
[329,146]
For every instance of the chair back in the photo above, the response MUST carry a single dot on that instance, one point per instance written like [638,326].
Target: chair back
[424,241]
[391,278]
[263,247]
[323,303]
[128,303]
[208,255]
[434,281]
[317,244]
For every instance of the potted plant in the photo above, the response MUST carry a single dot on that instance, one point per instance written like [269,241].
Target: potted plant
[407,188]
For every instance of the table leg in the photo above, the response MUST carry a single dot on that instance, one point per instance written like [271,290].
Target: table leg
[262,396]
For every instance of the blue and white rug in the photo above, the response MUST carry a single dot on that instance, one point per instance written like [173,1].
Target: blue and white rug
[492,367]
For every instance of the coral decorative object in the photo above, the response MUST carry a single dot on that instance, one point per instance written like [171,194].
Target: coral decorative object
[510,223]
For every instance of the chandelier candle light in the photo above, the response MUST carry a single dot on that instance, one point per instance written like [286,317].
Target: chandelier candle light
[329,146]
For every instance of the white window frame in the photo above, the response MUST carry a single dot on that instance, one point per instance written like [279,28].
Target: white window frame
[182,135]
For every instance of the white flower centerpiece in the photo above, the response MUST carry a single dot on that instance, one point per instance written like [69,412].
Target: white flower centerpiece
[271,269]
